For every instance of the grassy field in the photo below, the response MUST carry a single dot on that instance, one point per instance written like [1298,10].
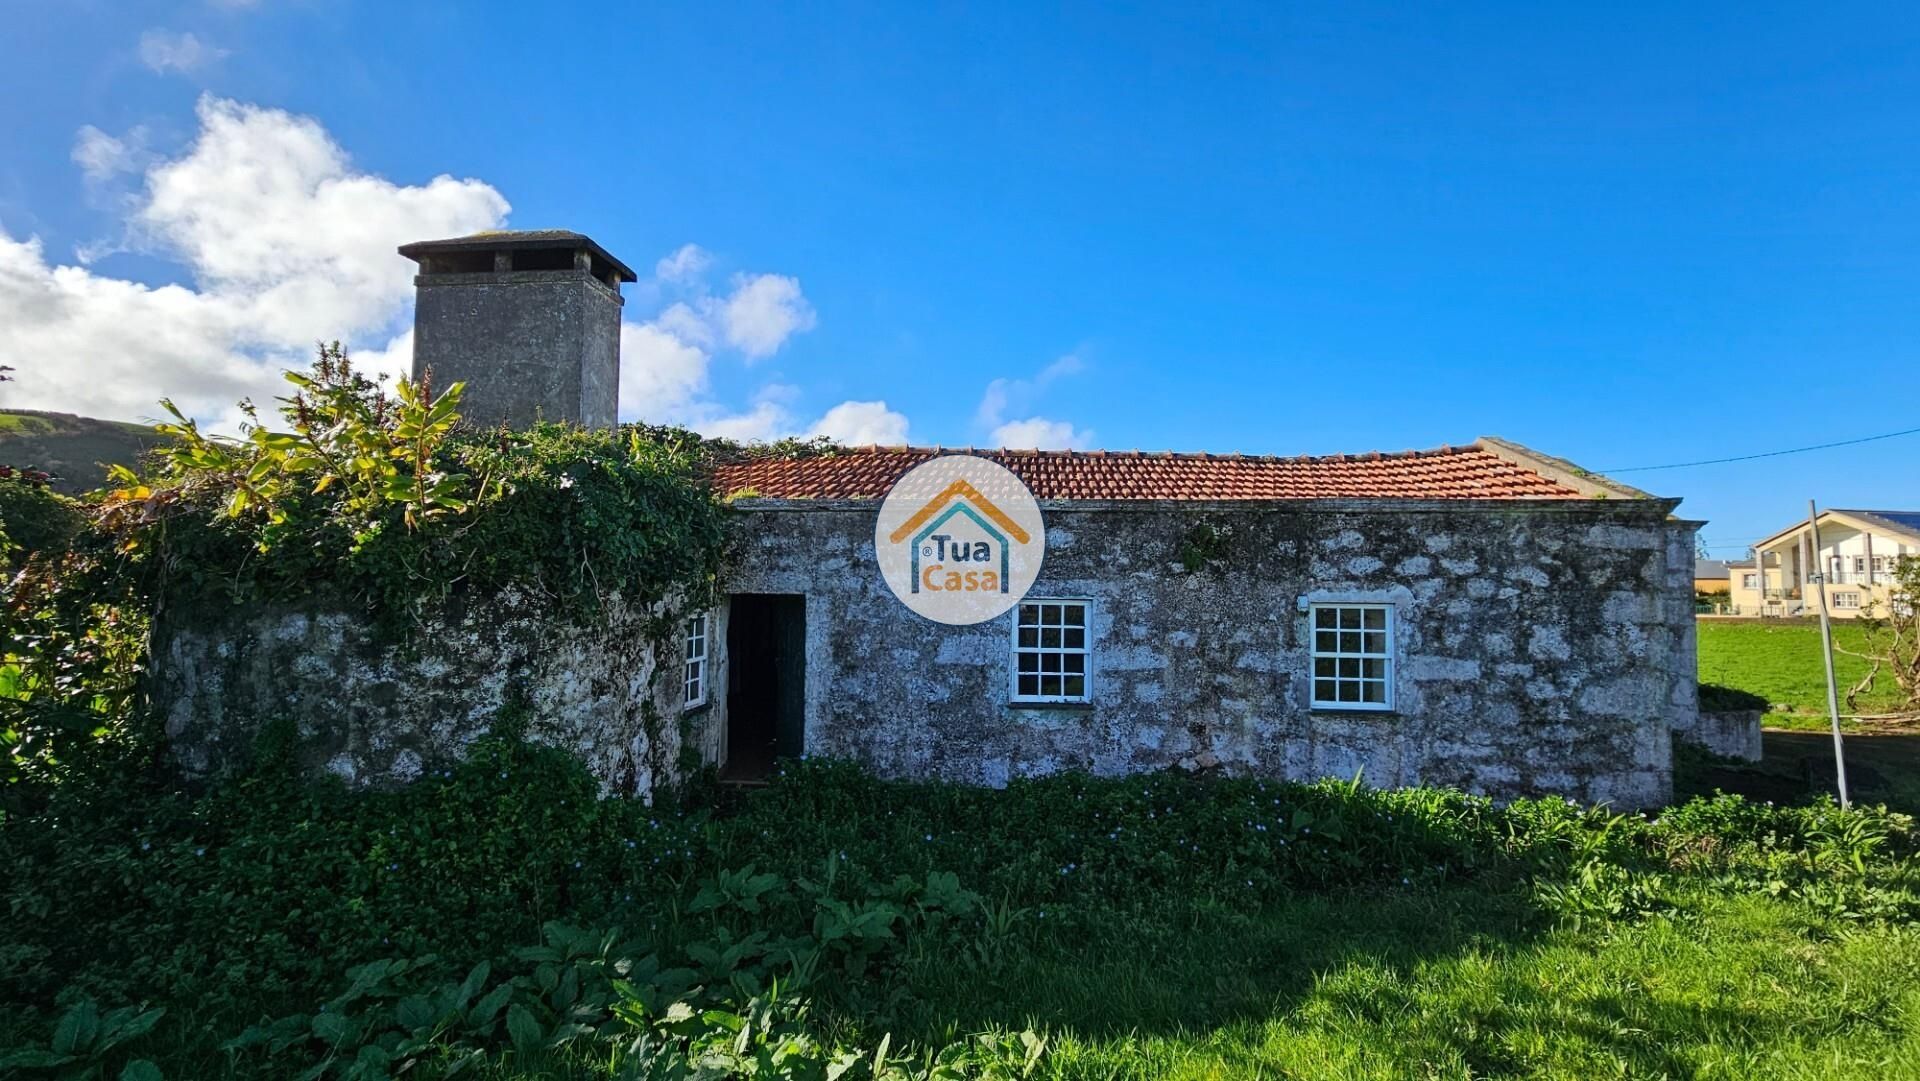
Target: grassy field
[1780,661]
[74,449]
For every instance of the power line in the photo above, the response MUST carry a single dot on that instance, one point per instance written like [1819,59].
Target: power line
[1768,454]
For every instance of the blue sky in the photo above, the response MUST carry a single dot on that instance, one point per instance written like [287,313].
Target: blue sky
[1622,234]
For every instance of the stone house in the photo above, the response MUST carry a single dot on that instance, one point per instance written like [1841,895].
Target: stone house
[1477,616]
[1481,616]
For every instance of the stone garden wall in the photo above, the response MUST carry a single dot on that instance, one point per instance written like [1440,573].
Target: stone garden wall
[375,712]
[1727,733]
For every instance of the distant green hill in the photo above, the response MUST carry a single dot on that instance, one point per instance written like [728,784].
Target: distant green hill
[76,450]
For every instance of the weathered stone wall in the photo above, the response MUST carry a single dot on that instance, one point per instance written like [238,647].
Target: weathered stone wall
[1730,733]
[530,345]
[377,713]
[1543,647]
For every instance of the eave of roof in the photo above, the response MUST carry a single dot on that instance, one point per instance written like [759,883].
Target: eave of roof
[518,240]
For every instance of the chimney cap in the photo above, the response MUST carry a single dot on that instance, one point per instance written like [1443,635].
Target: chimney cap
[518,240]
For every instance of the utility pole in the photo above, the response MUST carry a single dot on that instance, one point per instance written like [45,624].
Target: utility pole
[1826,654]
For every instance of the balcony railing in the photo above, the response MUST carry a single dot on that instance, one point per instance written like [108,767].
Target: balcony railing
[1862,578]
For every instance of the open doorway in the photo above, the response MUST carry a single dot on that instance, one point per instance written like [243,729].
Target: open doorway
[766,682]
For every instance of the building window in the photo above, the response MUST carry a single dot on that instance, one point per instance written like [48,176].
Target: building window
[695,675]
[1352,656]
[1859,564]
[1050,653]
[1846,600]
[1750,581]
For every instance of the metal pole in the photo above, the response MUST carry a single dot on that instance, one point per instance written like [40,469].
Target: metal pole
[1826,654]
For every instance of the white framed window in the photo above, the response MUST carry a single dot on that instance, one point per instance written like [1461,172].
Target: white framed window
[1750,581]
[1352,656]
[1052,658]
[1859,564]
[695,672]
[1846,600]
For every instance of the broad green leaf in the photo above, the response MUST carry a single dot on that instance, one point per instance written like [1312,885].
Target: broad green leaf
[77,1028]
[523,1030]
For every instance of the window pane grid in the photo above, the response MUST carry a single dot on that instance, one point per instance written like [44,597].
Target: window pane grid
[1352,657]
[694,674]
[1050,651]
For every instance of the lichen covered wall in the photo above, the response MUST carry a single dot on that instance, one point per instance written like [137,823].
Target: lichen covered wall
[376,713]
[1728,733]
[1543,648]
[530,345]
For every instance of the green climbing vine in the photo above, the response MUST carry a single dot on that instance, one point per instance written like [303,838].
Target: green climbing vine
[349,497]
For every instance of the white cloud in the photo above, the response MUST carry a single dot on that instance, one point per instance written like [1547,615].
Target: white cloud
[861,423]
[689,262]
[1003,395]
[101,156]
[165,50]
[665,360]
[763,312]
[268,211]
[661,374]
[682,321]
[765,421]
[285,243]
[389,362]
[1039,433]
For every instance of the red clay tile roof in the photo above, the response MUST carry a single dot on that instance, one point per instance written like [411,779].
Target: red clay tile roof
[1447,473]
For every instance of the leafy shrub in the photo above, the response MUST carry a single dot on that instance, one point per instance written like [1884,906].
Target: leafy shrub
[33,517]
[386,503]
[86,1043]
[791,915]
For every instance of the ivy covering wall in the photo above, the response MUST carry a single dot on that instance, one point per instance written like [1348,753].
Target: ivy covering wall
[343,498]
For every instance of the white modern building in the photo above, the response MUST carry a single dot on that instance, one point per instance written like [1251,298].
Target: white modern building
[1857,555]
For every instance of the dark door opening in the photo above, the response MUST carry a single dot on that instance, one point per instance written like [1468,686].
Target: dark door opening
[766,682]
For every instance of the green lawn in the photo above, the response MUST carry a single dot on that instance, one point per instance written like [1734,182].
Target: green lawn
[1780,661]
[1406,987]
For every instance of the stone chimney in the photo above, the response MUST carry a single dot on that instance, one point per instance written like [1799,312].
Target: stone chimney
[530,321]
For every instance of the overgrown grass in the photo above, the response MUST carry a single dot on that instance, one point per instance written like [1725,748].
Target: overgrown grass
[1780,661]
[1150,926]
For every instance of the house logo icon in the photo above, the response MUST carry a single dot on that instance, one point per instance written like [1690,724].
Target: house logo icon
[959,539]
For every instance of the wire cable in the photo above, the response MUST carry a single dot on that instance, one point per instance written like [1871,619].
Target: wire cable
[1767,454]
